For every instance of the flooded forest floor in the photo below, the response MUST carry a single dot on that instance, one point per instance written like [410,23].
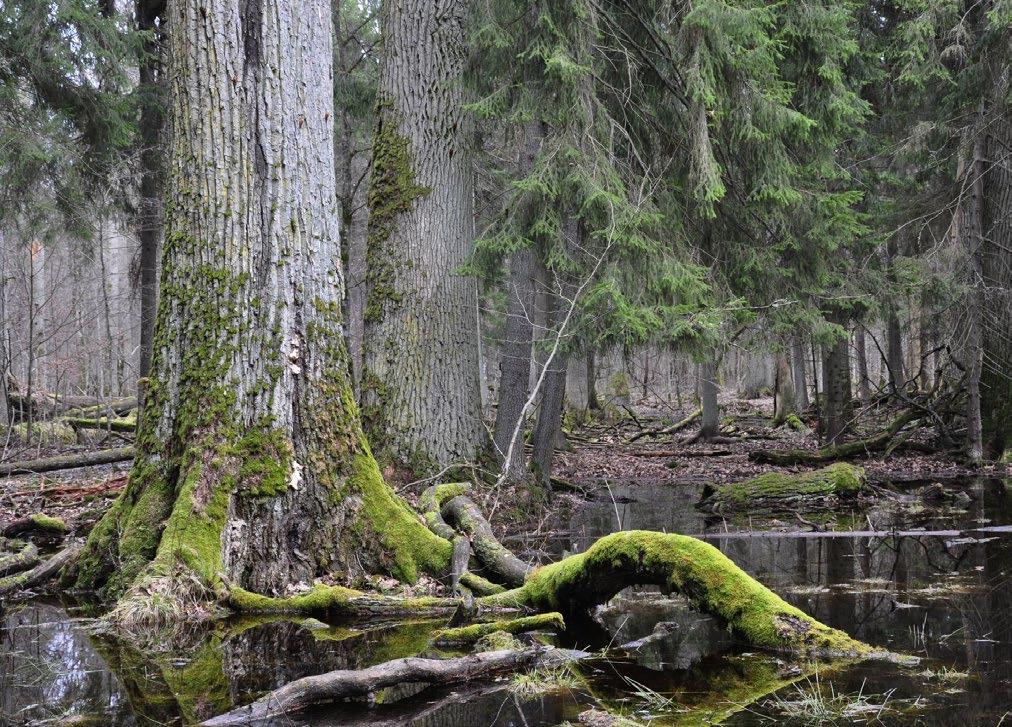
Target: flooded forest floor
[917,563]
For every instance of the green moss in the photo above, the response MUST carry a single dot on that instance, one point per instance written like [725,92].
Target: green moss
[471,634]
[265,456]
[795,423]
[200,686]
[678,563]
[478,585]
[48,524]
[52,432]
[392,191]
[840,479]
[497,641]
[407,543]
[319,600]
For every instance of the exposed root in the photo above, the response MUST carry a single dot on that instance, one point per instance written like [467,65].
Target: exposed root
[27,556]
[41,573]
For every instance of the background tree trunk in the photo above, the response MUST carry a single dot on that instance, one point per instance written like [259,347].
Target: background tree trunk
[785,404]
[250,459]
[149,220]
[800,377]
[709,388]
[861,349]
[421,401]
[836,411]
[973,233]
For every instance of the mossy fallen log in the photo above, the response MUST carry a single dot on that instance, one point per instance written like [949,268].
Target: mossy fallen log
[25,555]
[473,633]
[35,524]
[678,563]
[41,573]
[784,489]
[67,461]
[124,425]
[875,443]
[338,601]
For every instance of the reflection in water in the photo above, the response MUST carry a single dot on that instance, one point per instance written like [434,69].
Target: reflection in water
[943,598]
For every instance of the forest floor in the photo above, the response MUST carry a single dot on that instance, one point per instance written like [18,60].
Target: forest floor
[599,456]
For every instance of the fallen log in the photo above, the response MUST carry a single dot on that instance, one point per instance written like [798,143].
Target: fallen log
[41,573]
[46,404]
[875,443]
[673,429]
[26,557]
[67,461]
[36,523]
[345,683]
[113,425]
[786,489]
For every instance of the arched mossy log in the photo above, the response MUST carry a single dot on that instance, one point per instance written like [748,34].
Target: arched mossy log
[678,563]
[784,489]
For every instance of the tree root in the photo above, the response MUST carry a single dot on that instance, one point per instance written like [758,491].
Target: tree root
[782,489]
[41,573]
[68,461]
[471,634]
[27,556]
[342,684]
[442,502]
[699,571]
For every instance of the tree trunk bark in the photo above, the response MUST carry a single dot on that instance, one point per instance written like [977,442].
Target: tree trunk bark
[709,388]
[149,221]
[251,468]
[421,401]
[894,334]
[996,269]
[516,351]
[785,403]
[593,403]
[836,383]
[800,377]
[863,379]
[972,231]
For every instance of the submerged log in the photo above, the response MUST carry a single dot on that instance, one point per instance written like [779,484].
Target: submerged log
[346,683]
[67,461]
[783,489]
[41,573]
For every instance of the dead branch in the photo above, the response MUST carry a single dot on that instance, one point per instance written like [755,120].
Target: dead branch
[68,461]
[346,683]
[673,429]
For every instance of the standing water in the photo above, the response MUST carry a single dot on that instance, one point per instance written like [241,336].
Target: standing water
[943,596]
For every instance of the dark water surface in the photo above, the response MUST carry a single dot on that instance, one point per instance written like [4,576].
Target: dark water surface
[946,598]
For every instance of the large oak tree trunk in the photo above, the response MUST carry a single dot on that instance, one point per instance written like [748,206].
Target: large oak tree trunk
[420,389]
[251,466]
